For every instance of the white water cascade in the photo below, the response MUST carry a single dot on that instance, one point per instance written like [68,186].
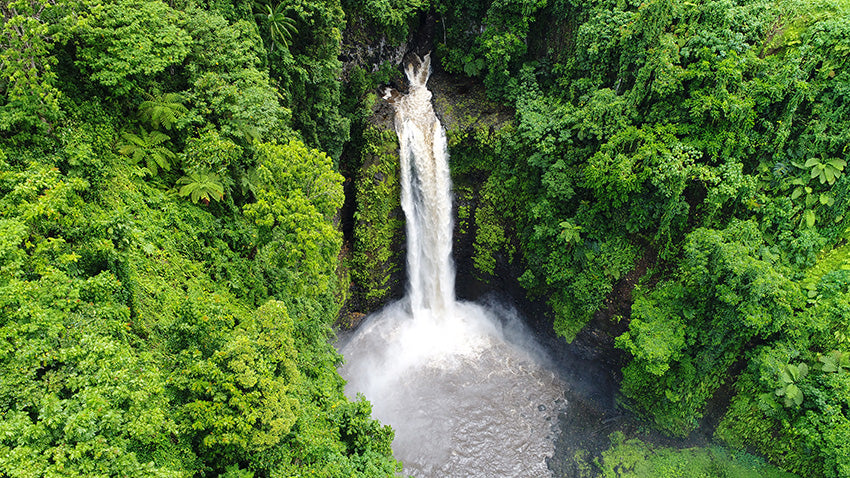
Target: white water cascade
[463,385]
[425,197]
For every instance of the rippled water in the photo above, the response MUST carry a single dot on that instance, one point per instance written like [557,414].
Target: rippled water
[466,395]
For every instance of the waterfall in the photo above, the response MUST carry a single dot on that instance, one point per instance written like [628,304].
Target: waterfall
[425,196]
[463,386]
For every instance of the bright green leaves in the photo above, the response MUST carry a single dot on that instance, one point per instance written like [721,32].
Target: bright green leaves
[294,167]
[492,235]
[228,88]
[27,80]
[718,102]
[297,196]
[162,110]
[240,396]
[107,370]
[725,272]
[599,40]
[636,459]
[147,148]
[125,41]
[622,165]
[12,234]
[201,186]
[791,402]
[275,25]
[826,171]
[211,151]
[811,198]
[570,233]
[789,378]
[378,228]
[76,398]
[656,335]
[689,332]
[809,218]
[836,361]
[99,406]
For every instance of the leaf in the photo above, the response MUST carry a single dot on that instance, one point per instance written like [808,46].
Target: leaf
[810,200]
[163,110]
[785,377]
[793,372]
[809,217]
[838,164]
[793,395]
[202,185]
[829,363]
[147,146]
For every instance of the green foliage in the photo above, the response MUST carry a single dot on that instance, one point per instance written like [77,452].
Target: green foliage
[571,234]
[656,336]
[490,236]
[835,362]
[227,86]
[788,388]
[390,18]
[77,397]
[142,334]
[791,401]
[277,27]
[238,392]
[709,138]
[147,148]
[827,171]
[123,43]
[378,224]
[634,458]
[162,110]
[132,345]
[297,197]
[30,99]
[309,72]
[211,152]
[809,438]
[686,334]
[201,186]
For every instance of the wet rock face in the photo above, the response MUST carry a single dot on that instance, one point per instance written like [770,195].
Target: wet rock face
[364,48]
[369,55]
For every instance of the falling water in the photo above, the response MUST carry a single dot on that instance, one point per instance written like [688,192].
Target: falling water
[425,197]
[463,385]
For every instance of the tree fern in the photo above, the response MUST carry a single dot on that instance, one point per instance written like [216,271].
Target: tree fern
[147,147]
[163,110]
[201,186]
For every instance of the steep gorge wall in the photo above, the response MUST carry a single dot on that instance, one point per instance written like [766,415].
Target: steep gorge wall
[374,221]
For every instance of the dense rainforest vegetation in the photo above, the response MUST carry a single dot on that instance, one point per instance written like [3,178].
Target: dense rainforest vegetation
[169,248]
[707,141]
[172,258]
